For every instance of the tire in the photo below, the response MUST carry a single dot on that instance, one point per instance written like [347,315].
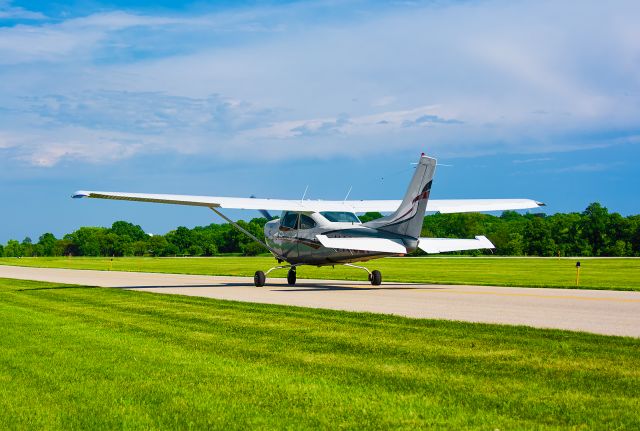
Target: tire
[376,278]
[259,279]
[291,277]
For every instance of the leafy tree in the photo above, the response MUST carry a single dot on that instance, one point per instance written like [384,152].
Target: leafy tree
[195,250]
[252,249]
[594,227]
[139,248]
[181,238]
[158,246]
[538,240]
[633,234]
[27,247]
[133,232]
[595,231]
[13,249]
[65,247]
[47,242]
[366,217]
[91,241]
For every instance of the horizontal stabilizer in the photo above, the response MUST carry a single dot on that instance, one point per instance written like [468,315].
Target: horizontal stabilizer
[383,245]
[441,245]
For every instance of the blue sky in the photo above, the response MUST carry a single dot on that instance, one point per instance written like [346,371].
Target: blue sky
[536,99]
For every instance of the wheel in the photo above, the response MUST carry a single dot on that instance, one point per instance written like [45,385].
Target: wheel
[259,279]
[291,277]
[375,277]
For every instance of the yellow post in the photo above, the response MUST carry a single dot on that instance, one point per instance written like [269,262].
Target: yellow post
[577,273]
[110,264]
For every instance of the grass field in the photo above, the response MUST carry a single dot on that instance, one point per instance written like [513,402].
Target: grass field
[620,274]
[92,358]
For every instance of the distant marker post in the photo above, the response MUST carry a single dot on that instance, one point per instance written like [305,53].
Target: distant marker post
[577,273]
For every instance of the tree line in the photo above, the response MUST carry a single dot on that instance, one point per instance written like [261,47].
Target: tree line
[593,232]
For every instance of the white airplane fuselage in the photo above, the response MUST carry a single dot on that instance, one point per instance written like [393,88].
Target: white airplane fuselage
[297,242]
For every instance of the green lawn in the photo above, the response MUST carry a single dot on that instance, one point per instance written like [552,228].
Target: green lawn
[621,274]
[74,357]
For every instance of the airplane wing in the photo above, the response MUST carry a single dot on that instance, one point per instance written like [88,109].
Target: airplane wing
[361,206]
[447,206]
[441,245]
[364,244]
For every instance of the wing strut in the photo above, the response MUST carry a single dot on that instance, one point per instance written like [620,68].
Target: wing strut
[246,232]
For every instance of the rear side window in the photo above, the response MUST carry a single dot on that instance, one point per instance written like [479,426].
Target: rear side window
[340,216]
[306,222]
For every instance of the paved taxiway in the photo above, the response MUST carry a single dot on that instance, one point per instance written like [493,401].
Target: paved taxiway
[597,311]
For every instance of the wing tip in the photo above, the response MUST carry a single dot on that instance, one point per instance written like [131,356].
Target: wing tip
[80,194]
[540,204]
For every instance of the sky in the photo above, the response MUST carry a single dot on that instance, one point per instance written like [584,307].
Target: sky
[516,99]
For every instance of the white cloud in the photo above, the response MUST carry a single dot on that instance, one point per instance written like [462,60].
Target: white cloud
[462,79]
[49,42]
[532,160]
[46,149]
[18,13]
[589,167]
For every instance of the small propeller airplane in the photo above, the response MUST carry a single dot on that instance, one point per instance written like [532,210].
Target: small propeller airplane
[329,233]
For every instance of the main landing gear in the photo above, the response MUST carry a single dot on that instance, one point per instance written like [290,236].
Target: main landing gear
[260,278]
[375,277]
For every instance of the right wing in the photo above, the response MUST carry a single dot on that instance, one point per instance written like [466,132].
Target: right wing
[441,245]
[443,206]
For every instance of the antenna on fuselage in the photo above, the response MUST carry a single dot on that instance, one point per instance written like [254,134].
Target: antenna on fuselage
[305,193]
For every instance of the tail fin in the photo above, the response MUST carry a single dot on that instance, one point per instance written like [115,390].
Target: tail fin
[408,218]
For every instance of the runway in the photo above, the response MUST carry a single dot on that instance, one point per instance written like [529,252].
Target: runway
[596,311]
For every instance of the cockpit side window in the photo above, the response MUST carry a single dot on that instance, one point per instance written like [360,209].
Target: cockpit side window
[306,222]
[289,221]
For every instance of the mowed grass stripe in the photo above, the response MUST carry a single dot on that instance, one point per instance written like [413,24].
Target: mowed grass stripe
[606,273]
[104,358]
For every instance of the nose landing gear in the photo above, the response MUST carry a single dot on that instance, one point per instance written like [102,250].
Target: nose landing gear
[259,279]
[291,276]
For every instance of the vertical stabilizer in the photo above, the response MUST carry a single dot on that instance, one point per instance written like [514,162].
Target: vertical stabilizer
[408,218]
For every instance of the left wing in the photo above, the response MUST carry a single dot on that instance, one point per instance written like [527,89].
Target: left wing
[443,206]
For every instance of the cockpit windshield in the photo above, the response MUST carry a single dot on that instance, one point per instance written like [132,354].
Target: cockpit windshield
[340,216]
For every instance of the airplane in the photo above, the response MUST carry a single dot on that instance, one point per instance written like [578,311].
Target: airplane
[329,233]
